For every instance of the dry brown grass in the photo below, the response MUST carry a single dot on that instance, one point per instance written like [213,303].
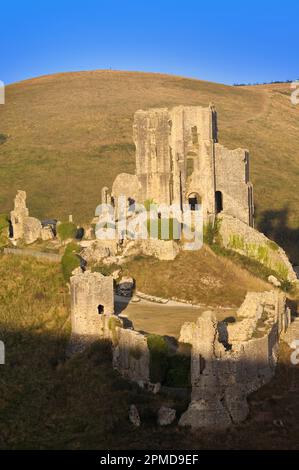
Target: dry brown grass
[70,134]
[199,277]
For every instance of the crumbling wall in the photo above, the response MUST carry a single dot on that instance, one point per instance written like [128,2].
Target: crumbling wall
[91,296]
[24,227]
[238,236]
[231,361]
[131,355]
[92,318]
[232,180]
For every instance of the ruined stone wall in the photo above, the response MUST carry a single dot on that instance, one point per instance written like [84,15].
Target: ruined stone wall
[193,133]
[238,236]
[177,158]
[232,180]
[24,227]
[230,361]
[153,163]
[131,355]
[88,292]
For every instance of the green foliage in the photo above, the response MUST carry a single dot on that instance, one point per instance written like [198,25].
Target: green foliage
[254,266]
[66,230]
[272,245]
[158,358]
[236,242]
[105,269]
[172,370]
[70,260]
[211,232]
[178,373]
[3,230]
[3,138]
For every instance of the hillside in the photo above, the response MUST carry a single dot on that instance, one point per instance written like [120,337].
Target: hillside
[65,136]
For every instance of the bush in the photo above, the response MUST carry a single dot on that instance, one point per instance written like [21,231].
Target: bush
[4,225]
[179,371]
[211,232]
[158,358]
[3,138]
[66,230]
[172,370]
[70,260]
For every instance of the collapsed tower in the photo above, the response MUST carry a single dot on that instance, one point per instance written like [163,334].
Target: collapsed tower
[179,160]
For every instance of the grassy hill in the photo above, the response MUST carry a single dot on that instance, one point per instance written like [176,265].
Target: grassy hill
[65,136]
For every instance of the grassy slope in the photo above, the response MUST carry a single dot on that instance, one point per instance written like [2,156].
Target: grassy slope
[47,402]
[200,277]
[70,134]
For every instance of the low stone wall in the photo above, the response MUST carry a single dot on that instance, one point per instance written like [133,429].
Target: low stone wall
[230,361]
[52,257]
[240,237]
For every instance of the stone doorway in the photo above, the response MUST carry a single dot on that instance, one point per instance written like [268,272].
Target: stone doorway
[194,200]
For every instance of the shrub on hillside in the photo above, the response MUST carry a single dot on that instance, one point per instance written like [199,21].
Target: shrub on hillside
[70,260]
[158,358]
[66,230]
[4,225]
[3,138]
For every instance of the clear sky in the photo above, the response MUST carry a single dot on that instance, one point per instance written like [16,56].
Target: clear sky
[222,41]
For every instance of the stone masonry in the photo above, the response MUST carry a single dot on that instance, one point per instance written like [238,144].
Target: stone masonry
[179,160]
[24,227]
[231,360]
[92,297]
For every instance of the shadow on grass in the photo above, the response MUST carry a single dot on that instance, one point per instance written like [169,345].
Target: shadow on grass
[274,224]
[48,402]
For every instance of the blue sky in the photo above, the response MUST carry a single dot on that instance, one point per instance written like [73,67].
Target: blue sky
[222,41]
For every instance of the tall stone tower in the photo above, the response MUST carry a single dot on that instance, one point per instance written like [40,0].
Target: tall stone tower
[179,160]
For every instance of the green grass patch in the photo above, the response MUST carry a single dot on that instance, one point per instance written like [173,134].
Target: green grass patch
[254,266]
[171,370]
[66,230]
[70,260]
[4,225]
[3,138]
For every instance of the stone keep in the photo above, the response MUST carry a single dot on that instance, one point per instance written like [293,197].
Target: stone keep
[91,298]
[179,160]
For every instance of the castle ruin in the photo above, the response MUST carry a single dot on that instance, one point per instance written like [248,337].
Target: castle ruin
[179,161]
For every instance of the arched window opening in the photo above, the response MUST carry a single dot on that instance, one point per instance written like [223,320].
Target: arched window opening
[100,309]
